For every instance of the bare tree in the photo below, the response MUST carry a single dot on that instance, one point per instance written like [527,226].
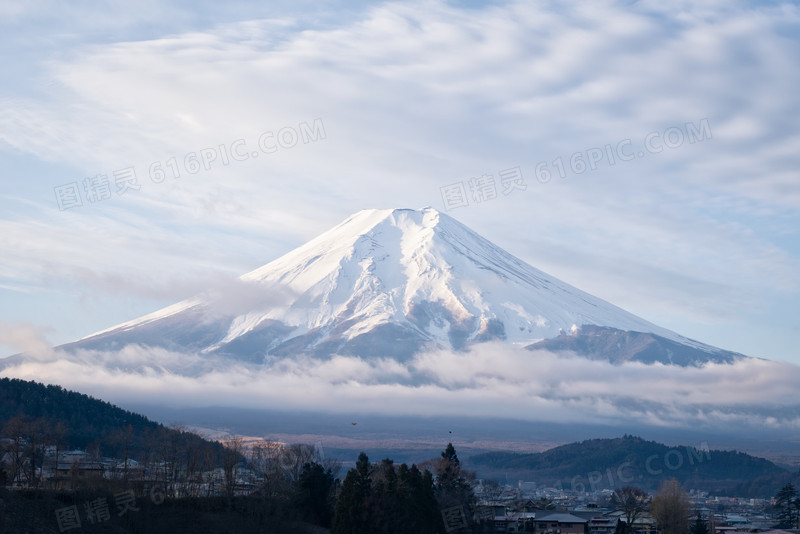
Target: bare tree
[267,460]
[123,439]
[168,449]
[56,436]
[208,461]
[295,456]
[491,491]
[231,459]
[632,502]
[277,467]
[14,429]
[35,433]
[670,508]
[194,467]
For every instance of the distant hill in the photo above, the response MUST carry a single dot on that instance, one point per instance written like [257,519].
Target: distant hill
[630,460]
[85,420]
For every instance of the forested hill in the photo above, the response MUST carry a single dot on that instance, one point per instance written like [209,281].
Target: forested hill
[630,460]
[76,420]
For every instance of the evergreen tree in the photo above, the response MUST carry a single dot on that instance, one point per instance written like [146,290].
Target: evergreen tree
[699,526]
[383,499]
[313,498]
[352,515]
[420,512]
[453,485]
[406,498]
[787,504]
[430,513]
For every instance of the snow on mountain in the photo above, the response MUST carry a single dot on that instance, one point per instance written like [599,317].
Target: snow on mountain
[382,283]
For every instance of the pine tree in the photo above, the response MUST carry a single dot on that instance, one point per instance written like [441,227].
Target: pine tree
[352,514]
[313,498]
[453,485]
[386,501]
[383,499]
[787,504]
[699,526]
[419,511]
[430,512]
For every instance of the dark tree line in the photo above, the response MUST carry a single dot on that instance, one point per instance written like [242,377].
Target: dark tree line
[382,498]
[74,420]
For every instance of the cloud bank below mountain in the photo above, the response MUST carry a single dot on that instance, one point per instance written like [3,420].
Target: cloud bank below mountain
[489,380]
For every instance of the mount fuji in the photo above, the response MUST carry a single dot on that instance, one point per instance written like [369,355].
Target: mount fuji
[394,283]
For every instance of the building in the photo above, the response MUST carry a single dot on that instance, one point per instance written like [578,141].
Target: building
[561,523]
[603,525]
[70,475]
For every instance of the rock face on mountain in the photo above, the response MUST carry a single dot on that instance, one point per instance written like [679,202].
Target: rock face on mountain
[392,283]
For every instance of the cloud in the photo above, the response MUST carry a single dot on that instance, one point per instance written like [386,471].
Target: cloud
[491,380]
[224,293]
[237,296]
[25,337]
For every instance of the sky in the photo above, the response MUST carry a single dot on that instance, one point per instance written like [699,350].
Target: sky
[645,152]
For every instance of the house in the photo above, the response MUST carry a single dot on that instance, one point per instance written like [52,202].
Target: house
[130,468]
[603,525]
[561,523]
[515,522]
[644,523]
[69,475]
[507,522]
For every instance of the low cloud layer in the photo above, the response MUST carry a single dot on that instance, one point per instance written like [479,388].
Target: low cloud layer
[489,380]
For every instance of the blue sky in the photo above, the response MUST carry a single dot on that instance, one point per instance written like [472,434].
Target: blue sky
[361,105]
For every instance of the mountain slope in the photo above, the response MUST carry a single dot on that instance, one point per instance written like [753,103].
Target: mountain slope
[609,463]
[84,419]
[618,346]
[382,283]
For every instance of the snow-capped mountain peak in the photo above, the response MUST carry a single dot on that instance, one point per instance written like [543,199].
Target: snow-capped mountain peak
[383,283]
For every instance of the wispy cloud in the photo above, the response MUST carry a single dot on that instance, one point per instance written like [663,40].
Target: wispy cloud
[25,337]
